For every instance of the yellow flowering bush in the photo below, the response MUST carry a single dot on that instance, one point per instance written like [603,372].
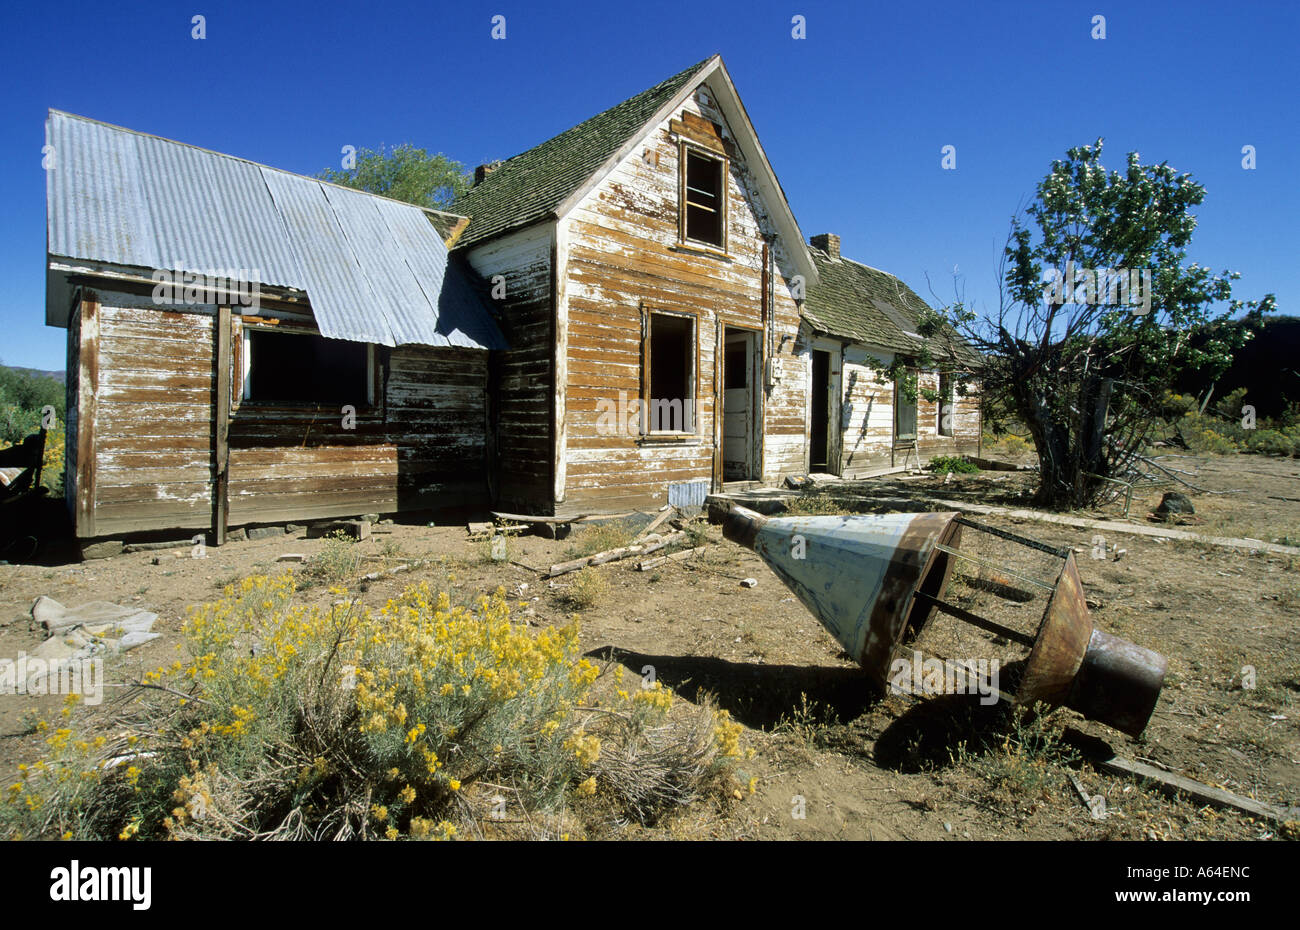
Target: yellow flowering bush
[304,722]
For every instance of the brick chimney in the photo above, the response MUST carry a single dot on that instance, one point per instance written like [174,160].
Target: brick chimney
[828,243]
[482,171]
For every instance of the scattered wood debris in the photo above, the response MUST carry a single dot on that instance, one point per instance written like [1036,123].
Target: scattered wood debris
[685,554]
[654,524]
[645,547]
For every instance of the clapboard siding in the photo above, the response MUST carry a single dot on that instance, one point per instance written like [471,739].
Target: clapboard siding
[520,407]
[421,445]
[139,349]
[623,258]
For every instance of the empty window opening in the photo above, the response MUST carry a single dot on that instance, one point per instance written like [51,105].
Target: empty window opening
[672,373]
[705,216]
[303,368]
[947,404]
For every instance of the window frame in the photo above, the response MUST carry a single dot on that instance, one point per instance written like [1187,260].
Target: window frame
[685,150]
[950,400]
[647,368]
[242,364]
[913,374]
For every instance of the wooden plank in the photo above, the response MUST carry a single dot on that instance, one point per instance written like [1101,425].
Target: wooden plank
[1172,783]
[655,523]
[87,390]
[645,564]
[521,518]
[708,138]
[221,426]
[1112,526]
[651,544]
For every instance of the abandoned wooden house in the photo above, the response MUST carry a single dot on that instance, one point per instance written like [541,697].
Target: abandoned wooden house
[624,315]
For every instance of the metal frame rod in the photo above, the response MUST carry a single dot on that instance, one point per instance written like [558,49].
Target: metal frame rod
[995,567]
[976,620]
[1059,551]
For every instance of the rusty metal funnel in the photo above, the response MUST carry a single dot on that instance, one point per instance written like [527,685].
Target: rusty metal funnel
[873,581]
[856,574]
[1103,677]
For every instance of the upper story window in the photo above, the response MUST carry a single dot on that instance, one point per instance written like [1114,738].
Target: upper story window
[704,198]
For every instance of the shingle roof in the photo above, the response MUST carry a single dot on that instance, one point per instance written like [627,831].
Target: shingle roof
[869,306]
[527,187]
[374,270]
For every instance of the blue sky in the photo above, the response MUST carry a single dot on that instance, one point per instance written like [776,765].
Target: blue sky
[853,117]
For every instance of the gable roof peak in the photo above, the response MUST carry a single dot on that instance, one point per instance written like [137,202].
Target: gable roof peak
[547,181]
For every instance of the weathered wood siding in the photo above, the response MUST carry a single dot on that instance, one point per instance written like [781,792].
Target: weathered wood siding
[867,416]
[622,258]
[867,412]
[152,418]
[420,445]
[965,422]
[72,396]
[521,404]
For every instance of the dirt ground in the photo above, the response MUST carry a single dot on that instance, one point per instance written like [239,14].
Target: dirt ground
[854,764]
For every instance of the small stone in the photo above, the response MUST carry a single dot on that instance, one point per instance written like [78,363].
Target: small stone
[238,535]
[371,517]
[1174,503]
[291,557]
[357,529]
[265,532]
[293,529]
[947,827]
[102,550]
[749,583]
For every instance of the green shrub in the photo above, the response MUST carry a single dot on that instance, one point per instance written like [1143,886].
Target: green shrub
[588,588]
[1269,442]
[943,464]
[337,562]
[814,505]
[1016,446]
[1206,436]
[600,537]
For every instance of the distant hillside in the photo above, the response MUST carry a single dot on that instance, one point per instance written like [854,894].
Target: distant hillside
[59,376]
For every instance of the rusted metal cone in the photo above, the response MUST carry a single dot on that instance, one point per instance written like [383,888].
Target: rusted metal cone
[856,574]
[874,580]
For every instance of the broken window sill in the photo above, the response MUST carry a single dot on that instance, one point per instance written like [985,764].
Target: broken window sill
[654,439]
[699,248]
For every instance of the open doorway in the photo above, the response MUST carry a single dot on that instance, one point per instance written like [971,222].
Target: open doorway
[905,396]
[740,434]
[819,453]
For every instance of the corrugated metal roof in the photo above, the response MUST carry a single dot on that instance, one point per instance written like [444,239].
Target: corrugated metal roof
[374,269]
